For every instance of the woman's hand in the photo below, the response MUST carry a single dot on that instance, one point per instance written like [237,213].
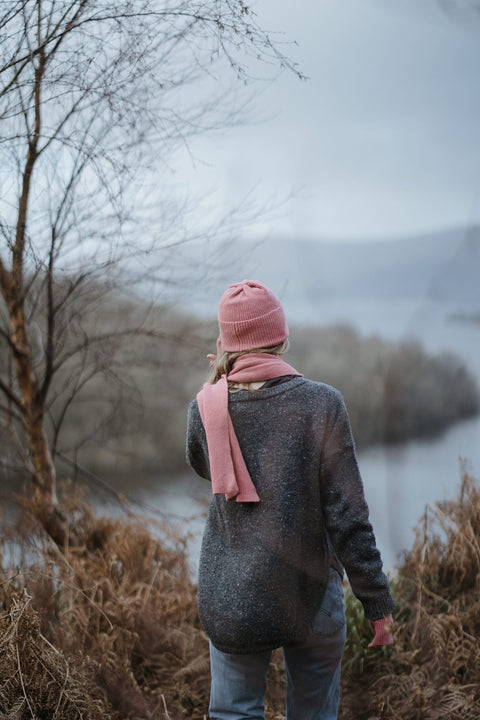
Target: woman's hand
[382,630]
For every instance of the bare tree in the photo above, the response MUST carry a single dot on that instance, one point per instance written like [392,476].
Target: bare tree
[93,93]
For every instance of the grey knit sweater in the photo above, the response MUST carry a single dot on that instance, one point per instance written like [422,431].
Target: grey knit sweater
[264,566]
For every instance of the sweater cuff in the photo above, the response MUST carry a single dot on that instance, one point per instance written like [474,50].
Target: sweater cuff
[378,608]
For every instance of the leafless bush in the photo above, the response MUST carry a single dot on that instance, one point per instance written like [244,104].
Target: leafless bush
[393,391]
[105,628]
[432,672]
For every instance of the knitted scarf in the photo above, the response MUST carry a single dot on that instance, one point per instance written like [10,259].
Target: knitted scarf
[229,474]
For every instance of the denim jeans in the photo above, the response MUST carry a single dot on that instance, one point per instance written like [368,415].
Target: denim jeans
[312,670]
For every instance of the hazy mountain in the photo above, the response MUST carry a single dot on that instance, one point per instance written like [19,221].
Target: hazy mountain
[442,267]
[323,280]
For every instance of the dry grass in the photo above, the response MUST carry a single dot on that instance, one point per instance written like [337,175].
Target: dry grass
[107,627]
[104,628]
[433,670]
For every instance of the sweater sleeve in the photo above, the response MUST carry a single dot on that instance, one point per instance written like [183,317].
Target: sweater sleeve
[197,453]
[347,517]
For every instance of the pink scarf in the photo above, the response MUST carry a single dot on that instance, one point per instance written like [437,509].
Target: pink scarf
[229,473]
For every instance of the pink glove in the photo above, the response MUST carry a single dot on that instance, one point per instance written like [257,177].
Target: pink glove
[382,630]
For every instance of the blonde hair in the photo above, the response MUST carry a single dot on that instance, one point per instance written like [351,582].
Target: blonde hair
[223,363]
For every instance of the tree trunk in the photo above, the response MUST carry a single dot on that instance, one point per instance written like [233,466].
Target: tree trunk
[43,467]
[45,499]
[32,410]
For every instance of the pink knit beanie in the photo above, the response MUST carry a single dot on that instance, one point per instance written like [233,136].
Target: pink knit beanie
[250,316]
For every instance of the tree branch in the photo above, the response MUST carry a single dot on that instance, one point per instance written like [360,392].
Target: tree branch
[18,249]
[9,393]
[5,282]
[91,340]
[78,386]
[57,35]
[51,312]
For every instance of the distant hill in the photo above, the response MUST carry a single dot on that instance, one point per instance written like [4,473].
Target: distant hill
[443,266]
[310,275]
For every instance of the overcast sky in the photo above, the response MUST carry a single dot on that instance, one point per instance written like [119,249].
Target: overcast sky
[382,140]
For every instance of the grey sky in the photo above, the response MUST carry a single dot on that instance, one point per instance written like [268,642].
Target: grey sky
[382,140]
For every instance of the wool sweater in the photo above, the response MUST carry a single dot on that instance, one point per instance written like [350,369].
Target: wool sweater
[264,566]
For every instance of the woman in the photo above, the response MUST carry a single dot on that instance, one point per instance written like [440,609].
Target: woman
[287,516]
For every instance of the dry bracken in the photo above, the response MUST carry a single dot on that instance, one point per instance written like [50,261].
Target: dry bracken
[433,670]
[107,627]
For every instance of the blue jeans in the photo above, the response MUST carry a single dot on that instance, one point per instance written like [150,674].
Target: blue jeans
[312,669]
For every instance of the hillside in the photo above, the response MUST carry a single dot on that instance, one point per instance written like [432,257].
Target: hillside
[440,267]
[107,627]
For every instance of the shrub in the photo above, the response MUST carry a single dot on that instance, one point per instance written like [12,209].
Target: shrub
[393,391]
[107,628]
[432,672]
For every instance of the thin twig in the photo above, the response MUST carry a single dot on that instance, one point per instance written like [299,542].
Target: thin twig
[21,680]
